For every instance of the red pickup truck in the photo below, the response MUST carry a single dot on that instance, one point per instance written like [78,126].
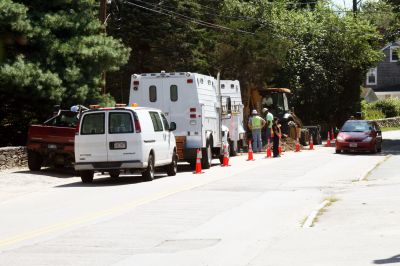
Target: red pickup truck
[52,143]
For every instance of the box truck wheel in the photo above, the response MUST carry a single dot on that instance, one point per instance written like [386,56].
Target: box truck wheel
[114,173]
[148,174]
[207,157]
[86,176]
[35,160]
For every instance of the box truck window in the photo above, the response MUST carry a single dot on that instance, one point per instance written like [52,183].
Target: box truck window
[173,93]
[153,93]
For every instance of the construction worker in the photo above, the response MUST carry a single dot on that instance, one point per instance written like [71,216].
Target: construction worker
[256,123]
[276,129]
[269,117]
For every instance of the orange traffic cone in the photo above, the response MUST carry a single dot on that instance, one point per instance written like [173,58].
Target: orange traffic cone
[225,161]
[269,154]
[332,134]
[198,163]
[250,153]
[297,145]
[328,142]
[311,142]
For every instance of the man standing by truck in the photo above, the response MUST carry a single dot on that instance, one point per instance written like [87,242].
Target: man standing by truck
[269,117]
[256,123]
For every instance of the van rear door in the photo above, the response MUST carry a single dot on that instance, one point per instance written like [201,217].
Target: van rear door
[90,144]
[122,143]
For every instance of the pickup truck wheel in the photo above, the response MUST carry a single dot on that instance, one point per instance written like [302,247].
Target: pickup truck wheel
[35,160]
[207,157]
[114,173]
[172,168]
[87,176]
[148,174]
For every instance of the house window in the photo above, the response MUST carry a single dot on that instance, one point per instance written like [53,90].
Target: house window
[372,76]
[394,56]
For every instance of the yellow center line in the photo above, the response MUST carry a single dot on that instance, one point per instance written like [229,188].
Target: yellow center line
[97,215]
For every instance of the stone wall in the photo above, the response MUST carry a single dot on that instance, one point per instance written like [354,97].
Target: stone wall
[11,157]
[389,122]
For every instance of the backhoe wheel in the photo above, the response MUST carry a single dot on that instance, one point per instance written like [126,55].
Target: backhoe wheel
[35,160]
[86,176]
[148,174]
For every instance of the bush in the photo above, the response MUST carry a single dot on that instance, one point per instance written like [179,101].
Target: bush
[390,106]
[370,112]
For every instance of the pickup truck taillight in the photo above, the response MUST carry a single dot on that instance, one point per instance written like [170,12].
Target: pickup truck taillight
[77,128]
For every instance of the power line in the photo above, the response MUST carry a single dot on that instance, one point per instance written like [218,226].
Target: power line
[186,18]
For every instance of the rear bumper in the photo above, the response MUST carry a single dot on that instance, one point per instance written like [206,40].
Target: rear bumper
[110,165]
[361,146]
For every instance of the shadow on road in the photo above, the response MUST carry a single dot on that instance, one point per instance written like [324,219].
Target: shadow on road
[52,172]
[394,259]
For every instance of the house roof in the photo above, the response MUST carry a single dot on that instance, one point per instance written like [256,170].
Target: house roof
[390,44]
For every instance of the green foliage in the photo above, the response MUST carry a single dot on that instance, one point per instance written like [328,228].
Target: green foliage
[390,106]
[52,52]
[370,112]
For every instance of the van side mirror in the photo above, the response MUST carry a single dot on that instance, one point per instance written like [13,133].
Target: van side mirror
[172,126]
[229,105]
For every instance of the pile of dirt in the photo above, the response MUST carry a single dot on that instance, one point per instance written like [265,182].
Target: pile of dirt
[288,144]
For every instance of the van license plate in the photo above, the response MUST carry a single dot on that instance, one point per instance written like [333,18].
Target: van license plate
[353,145]
[118,145]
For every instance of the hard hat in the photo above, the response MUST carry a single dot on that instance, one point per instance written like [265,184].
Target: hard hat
[265,109]
[254,112]
[75,108]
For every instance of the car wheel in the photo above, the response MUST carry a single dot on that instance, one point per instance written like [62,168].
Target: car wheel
[374,150]
[338,151]
[35,160]
[87,176]
[172,168]
[114,173]
[148,174]
[207,157]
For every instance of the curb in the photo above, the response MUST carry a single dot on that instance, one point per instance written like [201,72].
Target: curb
[313,215]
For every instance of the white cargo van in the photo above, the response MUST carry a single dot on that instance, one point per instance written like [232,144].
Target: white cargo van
[115,139]
[191,102]
[233,120]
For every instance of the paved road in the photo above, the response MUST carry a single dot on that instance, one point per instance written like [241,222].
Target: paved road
[251,213]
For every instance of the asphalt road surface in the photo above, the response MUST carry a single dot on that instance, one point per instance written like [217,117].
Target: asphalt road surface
[308,208]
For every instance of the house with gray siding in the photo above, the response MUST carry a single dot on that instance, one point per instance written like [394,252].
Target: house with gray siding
[384,79]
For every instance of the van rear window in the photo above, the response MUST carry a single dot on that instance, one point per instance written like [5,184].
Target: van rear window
[93,124]
[120,122]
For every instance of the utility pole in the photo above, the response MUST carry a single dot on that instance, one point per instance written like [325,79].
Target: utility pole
[355,7]
[102,17]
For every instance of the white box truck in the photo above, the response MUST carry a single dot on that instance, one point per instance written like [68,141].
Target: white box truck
[192,102]
[233,120]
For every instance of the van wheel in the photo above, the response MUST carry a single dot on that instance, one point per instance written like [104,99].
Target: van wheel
[87,176]
[35,160]
[172,169]
[207,157]
[114,173]
[148,174]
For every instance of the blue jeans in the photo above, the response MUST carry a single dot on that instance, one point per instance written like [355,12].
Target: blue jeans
[268,134]
[257,143]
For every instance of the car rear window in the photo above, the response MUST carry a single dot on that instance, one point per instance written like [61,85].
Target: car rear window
[120,123]
[93,124]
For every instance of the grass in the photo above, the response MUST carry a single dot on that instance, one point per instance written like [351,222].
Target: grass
[390,128]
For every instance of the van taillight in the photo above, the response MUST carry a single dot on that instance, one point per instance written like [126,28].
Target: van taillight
[77,128]
[190,81]
[138,129]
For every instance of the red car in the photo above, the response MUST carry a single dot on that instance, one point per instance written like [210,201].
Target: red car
[359,135]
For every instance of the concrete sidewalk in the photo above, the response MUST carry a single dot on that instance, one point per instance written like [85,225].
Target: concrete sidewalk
[361,228]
